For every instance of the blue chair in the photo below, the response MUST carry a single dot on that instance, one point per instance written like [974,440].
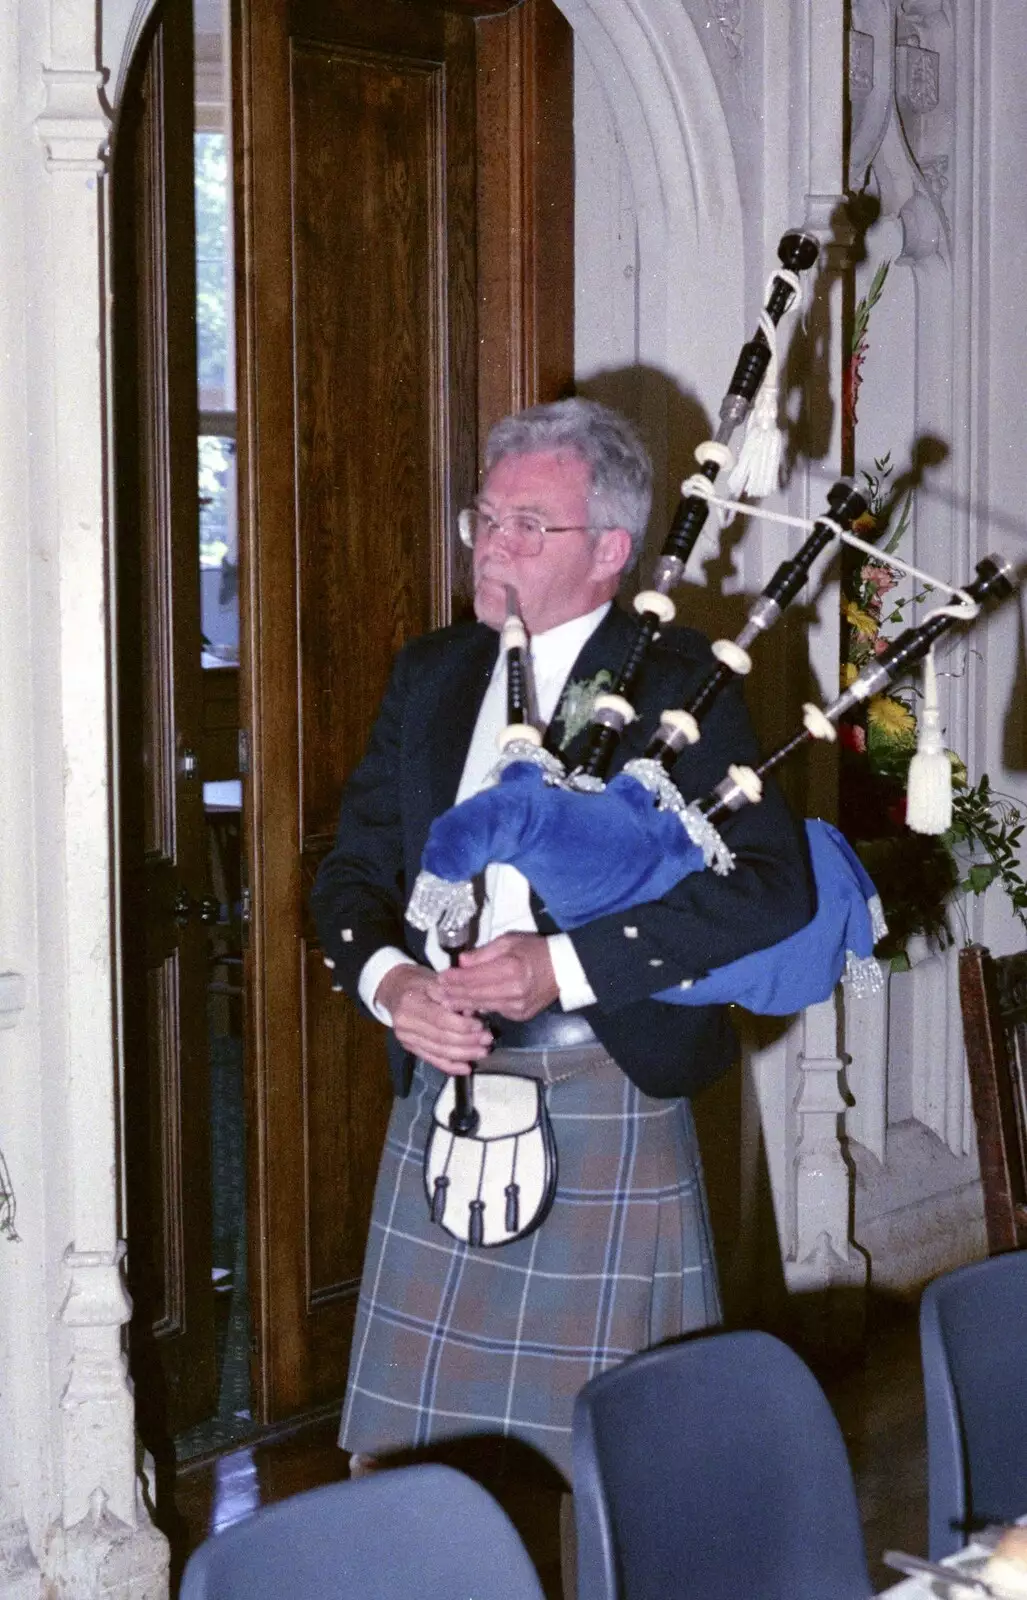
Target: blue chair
[408,1534]
[713,1469]
[973,1344]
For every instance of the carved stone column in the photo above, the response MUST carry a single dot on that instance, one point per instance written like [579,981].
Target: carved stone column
[800,1075]
[827,1274]
[102,1541]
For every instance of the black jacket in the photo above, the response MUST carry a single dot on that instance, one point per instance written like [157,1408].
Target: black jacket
[410,775]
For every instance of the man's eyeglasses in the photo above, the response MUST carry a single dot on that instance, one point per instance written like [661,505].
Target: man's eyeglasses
[522,532]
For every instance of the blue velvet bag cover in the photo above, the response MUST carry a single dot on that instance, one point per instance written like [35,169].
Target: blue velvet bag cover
[589,855]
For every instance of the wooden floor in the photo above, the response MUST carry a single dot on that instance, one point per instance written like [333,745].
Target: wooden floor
[877,1397]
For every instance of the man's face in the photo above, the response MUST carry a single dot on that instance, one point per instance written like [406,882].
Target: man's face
[574,572]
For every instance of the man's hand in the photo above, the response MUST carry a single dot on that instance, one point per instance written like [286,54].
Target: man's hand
[428,1023]
[513,976]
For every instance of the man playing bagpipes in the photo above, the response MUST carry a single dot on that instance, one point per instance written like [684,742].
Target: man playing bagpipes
[457,1338]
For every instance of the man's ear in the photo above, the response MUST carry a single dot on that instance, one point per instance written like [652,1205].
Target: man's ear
[612,552]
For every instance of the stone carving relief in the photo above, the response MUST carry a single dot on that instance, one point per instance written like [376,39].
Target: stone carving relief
[901,81]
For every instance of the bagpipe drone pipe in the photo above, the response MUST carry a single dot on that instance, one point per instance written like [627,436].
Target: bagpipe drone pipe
[591,848]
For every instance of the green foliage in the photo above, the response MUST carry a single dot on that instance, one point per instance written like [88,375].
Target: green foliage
[988,822]
[866,305]
[915,875]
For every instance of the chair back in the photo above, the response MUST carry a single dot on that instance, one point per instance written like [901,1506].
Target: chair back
[993,1000]
[710,1469]
[409,1534]
[973,1342]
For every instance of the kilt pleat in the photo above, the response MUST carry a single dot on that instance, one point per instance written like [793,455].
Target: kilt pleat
[452,1341]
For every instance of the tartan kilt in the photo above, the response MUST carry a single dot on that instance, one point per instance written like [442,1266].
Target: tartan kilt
[452,1341]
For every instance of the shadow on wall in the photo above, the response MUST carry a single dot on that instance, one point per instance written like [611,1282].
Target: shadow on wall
[1014,731]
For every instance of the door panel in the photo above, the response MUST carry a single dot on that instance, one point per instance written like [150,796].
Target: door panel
[360,185]
[163,832]
[369,283]
[525,221]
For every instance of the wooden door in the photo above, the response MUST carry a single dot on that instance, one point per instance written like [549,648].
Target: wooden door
[380,325]
[163,842]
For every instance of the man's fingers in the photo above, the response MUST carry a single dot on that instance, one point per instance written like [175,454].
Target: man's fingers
[442,1025]
[482,955]
[451,1054]
[480,987]
[448,1039]
[516,979]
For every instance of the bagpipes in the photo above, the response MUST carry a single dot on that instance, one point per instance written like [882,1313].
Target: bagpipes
[590,848]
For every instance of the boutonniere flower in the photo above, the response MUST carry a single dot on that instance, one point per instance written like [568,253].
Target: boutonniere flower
[576,703]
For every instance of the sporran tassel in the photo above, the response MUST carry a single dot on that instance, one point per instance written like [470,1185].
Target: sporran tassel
[929,788]
[438,1199]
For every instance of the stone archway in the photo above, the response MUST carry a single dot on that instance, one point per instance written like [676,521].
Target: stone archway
[648,61]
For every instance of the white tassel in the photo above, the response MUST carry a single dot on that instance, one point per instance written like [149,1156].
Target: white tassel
[929,789]
[758,468]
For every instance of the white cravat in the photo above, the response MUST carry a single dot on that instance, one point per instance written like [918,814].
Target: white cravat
[507,904]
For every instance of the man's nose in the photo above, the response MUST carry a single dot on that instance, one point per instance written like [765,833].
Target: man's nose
[493,546]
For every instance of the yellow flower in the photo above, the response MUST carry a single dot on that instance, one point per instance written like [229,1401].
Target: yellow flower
[865,524]
[865,625]
[891,718]
[850,672]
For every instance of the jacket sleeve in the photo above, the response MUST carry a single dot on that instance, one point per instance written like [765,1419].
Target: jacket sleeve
[357,899]
[707,920]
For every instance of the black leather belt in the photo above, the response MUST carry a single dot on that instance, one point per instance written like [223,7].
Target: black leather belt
[550,1030]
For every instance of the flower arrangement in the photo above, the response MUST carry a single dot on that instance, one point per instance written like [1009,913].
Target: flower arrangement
[921,878]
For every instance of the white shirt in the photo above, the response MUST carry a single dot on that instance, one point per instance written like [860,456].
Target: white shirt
[507,905]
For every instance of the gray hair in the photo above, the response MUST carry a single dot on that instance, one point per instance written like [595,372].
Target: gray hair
[621,473]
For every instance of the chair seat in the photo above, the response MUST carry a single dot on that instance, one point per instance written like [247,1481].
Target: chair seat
[973,1342]
[416,1533]
[714,1468]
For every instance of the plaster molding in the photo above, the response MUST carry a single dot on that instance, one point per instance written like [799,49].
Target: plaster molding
[96,1297]
[824,1254]
[902,68]
[75,127]
[96,1405]
[12,998]
[129,43]
[101,1554]
[98,1429]
[866,1044]
[871,82]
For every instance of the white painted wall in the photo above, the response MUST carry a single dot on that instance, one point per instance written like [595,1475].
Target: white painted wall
[946,343]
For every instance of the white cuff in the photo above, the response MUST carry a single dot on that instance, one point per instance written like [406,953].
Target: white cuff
[372,973]
[575,990]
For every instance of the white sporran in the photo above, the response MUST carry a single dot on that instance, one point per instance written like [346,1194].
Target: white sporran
[497,1183]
